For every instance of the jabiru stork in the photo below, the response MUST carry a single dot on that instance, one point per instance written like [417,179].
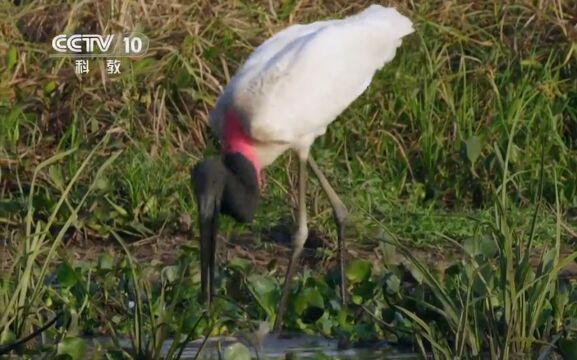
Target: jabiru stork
[282,98]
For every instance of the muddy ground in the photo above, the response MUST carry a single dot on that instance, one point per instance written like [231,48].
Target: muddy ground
[274,251]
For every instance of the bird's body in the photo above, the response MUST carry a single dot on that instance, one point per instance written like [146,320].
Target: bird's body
[283,97]
[297,82]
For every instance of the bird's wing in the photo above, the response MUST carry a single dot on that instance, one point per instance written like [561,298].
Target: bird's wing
[265,51]
[261,55]
[294,92]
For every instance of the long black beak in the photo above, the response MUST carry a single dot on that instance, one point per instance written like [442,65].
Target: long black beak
[208,182]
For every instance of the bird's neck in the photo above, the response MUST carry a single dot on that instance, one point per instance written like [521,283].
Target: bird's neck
[237,141]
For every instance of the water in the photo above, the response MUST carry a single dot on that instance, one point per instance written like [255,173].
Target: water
[303,346]
[275,347]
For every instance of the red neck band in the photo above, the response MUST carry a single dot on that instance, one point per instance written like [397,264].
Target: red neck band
[237,141]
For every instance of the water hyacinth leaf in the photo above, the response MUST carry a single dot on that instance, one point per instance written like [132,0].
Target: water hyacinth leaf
[483,280]
[312,314]
[365,290]
[471,246]
[264,289]
[357,299]
[365,331]
[342,318]
[74,347]
[358,271]
[309,297]
[472,147]
[389,315]
[237,351]
[326,323]
[66,275]
[568,348]
[261,284]
[487,247]
[241,265]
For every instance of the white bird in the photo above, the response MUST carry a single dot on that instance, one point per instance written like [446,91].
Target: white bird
[283,97]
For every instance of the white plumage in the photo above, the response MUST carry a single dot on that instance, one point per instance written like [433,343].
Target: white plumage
[297,82]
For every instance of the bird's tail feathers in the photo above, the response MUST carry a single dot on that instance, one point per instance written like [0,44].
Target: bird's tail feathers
[387,19]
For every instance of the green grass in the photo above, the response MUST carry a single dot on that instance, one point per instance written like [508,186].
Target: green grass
[468,108]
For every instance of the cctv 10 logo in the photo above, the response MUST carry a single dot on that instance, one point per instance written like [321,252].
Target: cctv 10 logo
[92,45]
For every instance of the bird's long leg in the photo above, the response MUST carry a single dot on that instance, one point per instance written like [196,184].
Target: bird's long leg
[340,213]
[298,241]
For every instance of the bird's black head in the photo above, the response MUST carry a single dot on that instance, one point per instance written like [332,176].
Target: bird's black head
[222,185]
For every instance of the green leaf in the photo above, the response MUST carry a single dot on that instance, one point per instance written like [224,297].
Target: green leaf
[12,58]
[484,246]
[389,253]
[237,351]
[102,185]
[170,273]
[150,205]
[415,271]
[568,348]
[114,355]
[106,262]
[66,275]
[470,246]
[483,281]
[358,271]
[241,265]
[73,347]
[561,301]
[532,63]
[261,284]
[488,247]
[545,314]
[50,87]
[56,176]
[366,290]
[264,289]
[547,261]
[309,297]
[393,284]
[119,209]
[7,336]
[472,148]
[143,65]
[183,79]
